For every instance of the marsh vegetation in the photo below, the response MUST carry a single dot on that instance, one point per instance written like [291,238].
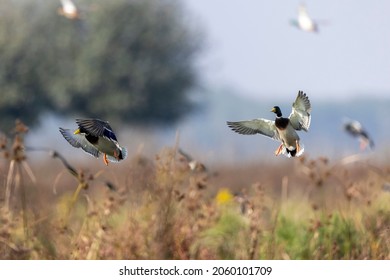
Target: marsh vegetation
[163,208]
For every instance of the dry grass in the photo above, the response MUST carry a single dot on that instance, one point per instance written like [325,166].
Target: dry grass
[159,208]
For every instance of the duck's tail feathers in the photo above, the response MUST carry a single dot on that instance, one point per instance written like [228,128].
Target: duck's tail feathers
[122,157]
[293,153]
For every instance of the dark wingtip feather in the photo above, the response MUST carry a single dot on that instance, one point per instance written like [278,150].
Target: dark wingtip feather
[236,127]
[305,99]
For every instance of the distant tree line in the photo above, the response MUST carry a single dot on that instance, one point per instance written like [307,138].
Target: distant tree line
[124,60]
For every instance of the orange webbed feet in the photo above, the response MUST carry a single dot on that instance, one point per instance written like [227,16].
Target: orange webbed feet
[298,147]
[105,159]
[279,150]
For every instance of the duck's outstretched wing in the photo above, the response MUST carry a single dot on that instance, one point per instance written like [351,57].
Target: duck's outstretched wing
[79,141]
[300,115]
[261,126]
[97,128]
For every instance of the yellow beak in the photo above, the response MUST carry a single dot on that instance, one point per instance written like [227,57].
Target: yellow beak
[77,131]
[273,110]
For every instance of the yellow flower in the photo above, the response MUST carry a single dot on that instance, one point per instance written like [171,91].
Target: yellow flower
[224,196]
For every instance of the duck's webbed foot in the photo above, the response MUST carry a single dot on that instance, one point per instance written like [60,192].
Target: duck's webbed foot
[105,159]
[279,150]
[298,147]
[116,155]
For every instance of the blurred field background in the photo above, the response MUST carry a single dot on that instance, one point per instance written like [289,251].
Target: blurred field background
[159,72]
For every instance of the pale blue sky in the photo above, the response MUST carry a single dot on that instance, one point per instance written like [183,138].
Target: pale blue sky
[252,48]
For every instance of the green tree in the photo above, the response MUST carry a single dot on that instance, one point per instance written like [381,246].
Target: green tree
[129,61]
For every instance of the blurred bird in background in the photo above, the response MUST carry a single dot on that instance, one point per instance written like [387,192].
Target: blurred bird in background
[194,165]
[355,129]
[69,10]
[304,21]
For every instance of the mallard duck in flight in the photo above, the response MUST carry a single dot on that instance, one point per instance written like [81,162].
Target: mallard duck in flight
[95,137]
[355,129]
[282,129]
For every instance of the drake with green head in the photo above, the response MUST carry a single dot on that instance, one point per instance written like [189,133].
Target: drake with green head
[281,129]
[95,137]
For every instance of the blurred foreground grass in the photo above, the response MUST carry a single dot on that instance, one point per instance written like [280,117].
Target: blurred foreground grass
[164,208]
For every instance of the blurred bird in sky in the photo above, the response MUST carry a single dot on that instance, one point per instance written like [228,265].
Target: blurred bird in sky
[304,21]
[355,129]
[69,10]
